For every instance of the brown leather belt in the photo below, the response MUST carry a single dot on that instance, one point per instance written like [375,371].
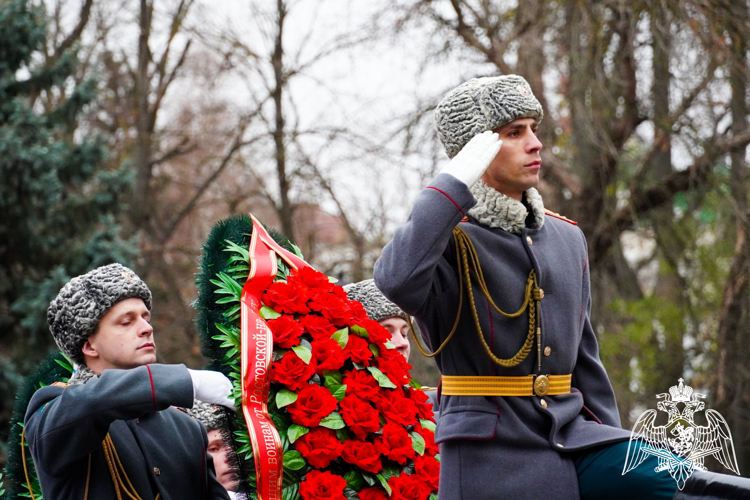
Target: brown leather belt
[530,385]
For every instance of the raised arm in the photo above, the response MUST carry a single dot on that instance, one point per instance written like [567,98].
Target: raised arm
[412,266]
[77,418]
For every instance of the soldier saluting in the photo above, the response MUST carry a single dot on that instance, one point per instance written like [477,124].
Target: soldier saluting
[111,433]
[500,289]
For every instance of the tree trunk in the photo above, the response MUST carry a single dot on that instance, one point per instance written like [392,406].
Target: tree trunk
[285,209]
[732,381]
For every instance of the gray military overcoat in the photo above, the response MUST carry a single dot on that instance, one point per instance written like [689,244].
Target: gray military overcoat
[503,447]
[162,449]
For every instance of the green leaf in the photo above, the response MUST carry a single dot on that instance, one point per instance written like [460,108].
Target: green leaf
[427,424]
[415,384]
[333,421]
[342,337]
[332,377]
[303,352]
[359,331]
[268,313]
[358,366]
[374,350]
[227,300]
[285,397]
[354,480]
[417,442]
[390,345]
[383,381]
[331,279]
[294,432]
[338,391]
[433,496]
[344,435]
[369,479]
[232,311]
[233,247]
[293,460]
[384,484]
[67,365]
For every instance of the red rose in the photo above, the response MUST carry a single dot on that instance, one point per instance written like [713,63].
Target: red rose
[333,308]
[357,349]
[372,493]
[313,404]
[407,487]
[286,298]
[359,313]
[362,454]
[309,278]
[395,443]
[319,447]
[317,326]
[322,486]
[361,383]
[428,468]
[327,354]
[430,448]
[396,408]
[360,416]
[286,331]
[292,371]
[420,399]
[396,368]
[377,333]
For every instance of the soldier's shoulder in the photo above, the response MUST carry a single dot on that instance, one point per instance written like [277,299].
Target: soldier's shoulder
[558,216]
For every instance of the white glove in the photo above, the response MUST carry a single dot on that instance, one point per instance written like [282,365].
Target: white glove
[471,162]
[212,387]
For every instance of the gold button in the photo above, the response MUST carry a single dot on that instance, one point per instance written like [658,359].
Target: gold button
[543,403]
[547,351]
[157,471]
[560,446]
[528,240]
[541,293]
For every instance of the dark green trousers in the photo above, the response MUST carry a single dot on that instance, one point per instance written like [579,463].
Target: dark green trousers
[600,476]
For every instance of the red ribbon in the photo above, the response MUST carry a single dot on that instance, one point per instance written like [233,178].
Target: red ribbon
[257,353]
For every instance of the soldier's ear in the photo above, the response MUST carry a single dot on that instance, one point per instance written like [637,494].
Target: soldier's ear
[89,350]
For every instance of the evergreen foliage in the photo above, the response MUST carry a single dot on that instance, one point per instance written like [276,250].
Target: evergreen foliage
[56,368]
[59,207]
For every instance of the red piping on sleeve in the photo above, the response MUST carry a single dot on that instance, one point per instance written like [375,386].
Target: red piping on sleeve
[153,392]
[443,193]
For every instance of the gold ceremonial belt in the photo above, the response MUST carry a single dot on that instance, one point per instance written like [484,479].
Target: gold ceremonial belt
[540,385]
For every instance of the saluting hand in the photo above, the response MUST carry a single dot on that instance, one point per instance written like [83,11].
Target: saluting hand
[471,162]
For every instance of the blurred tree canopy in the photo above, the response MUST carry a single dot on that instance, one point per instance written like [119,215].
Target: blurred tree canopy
[58,206]
[645,137]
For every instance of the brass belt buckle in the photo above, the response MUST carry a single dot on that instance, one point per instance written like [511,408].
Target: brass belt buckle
[541,385]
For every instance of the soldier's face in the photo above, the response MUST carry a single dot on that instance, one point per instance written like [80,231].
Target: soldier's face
[399,334]
[124,338]
[516,166]
[224,472]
